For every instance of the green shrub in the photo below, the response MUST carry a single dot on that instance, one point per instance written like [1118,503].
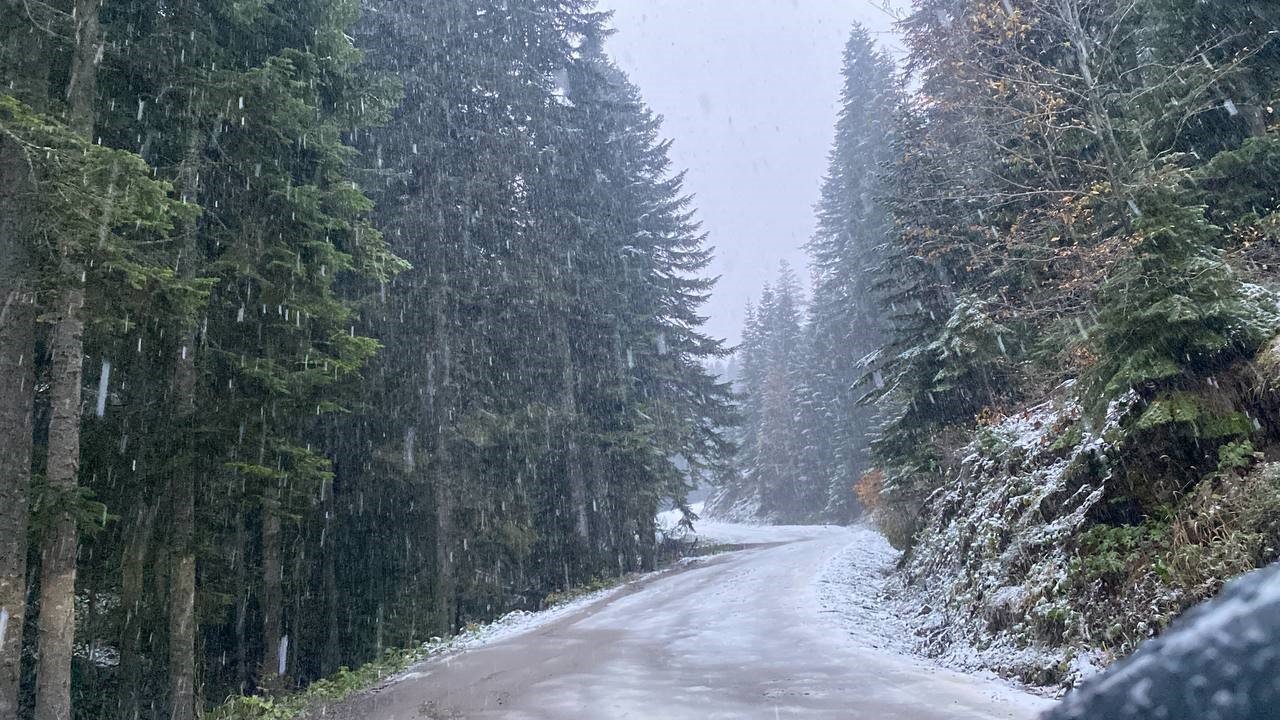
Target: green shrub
[335,687]
[1227,525]
[1108,552]
[1069,439]
[1236,456]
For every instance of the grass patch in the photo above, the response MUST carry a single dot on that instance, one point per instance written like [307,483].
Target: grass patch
[341,684]
[560,597]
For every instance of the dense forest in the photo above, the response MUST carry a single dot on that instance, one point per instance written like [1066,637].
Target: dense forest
[328,327]
[332,326]
[1044,317]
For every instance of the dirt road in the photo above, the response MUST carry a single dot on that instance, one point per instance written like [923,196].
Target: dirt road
[735,636]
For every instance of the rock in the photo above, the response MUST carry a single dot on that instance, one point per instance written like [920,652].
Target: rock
[1005,607]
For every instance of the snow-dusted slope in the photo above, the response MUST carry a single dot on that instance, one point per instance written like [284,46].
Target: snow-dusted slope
[1217,662]
[739,635]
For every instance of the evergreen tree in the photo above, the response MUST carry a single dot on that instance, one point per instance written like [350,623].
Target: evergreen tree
[1022,168]
[543,387]
[561,396]
[778,445]
[774,479]
[93,233]
[845,323]
[1177,309]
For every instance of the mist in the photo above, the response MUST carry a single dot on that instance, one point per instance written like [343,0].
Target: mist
[749,98]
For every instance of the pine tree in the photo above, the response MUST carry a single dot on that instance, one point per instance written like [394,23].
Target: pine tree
[1023,164]
[778,446]
[554,277]
[1225,97]
[637,256]
[249,124]
[101,246]
[21,51]
[774,479]
[845,322]
[1177,309]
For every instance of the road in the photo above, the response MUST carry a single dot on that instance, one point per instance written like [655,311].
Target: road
[735,636]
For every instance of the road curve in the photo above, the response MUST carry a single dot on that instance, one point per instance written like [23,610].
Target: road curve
[735,636]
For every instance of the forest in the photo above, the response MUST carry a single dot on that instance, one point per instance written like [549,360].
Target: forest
[328,327]
[1041,335]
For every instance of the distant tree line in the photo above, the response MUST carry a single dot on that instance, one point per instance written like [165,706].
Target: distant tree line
[326,327]
[804,434]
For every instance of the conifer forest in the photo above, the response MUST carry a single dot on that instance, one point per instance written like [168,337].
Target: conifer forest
[334,328]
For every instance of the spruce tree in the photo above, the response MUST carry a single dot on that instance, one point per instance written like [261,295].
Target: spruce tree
[1177,309]
[774,479]
[845,322]
[542,389]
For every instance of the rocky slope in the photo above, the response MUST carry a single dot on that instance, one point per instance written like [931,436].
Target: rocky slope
[1032,561]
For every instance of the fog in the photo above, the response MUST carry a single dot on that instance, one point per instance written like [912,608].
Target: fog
[749,92]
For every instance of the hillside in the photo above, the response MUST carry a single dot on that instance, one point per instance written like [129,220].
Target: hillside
[1040,346]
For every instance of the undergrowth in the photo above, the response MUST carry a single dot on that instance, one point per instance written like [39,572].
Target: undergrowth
[1063,539]
[1148,573]
[341,684]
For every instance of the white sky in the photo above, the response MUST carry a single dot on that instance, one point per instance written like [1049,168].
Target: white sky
[749,92]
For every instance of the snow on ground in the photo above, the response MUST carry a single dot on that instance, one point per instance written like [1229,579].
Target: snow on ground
[669,520]
[988,581]
[519,622]
[851,589]
[750,634]
[857,587]
[511,625]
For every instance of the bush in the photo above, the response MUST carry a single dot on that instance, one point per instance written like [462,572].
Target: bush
[899,525]
[894,507]
[1108,552]
[1226,527]
[869,489]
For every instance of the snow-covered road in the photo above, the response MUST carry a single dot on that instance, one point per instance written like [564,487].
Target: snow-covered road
[739,635]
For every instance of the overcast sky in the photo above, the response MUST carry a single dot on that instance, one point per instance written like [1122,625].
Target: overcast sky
[748,90]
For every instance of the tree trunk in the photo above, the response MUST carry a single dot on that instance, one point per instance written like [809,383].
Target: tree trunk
[58,552]
[25,61]
[61,543]
[292,632]
[182,589]
[182,622]
[82,83]
[440,401]
[443,591]
[574,469]
[242,602]
[272,572]
[132,578]
[332,657]
[17,381]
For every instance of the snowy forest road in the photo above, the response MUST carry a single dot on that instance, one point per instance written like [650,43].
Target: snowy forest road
[739,635]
